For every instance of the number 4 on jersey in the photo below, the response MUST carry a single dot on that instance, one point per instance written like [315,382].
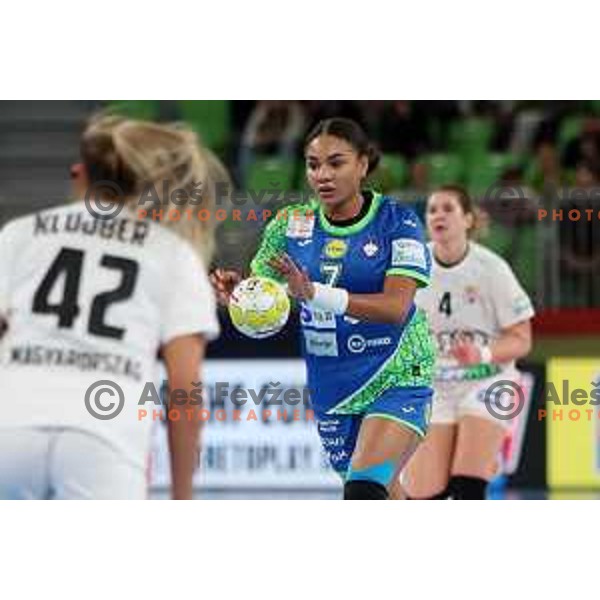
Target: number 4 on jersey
[70,263]
[446,304]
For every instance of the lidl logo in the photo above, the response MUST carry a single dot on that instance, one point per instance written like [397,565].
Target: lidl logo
[335,248]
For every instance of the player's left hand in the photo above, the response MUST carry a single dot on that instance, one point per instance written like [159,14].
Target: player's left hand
[299,284]
[466,352]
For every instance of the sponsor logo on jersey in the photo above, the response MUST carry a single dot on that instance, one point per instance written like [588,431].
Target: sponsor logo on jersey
[351,320]
[321,343]
[334,442]
[335,248]
[409,223]
[337,457]
[303,243]
[471,294]
[319,319]
[447,339]
[521,306]
[408,253]
[328,425]
[357,343]
[370,249]
[300,226]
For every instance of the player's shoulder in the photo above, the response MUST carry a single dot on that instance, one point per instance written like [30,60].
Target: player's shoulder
[297,210]
[16,225]
[487,259]
[24,224]
[396,213]
[164,243]
[292,220]
[30,219]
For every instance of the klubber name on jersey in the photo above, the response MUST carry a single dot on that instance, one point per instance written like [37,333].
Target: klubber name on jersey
[123,230]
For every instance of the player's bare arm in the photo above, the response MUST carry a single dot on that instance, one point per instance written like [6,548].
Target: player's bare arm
[183,357]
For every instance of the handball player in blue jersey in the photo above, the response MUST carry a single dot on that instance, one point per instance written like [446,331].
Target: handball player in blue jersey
[354,260]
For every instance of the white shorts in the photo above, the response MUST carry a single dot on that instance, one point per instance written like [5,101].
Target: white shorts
[64,464]
[453,400]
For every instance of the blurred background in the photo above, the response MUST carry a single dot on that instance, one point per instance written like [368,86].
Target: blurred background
[515,157]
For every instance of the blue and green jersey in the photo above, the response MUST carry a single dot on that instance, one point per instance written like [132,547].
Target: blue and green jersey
[351,362]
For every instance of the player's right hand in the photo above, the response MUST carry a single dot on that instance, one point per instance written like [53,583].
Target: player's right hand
[299,284]
[223,282]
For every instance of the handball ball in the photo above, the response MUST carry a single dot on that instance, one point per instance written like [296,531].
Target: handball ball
[259,307]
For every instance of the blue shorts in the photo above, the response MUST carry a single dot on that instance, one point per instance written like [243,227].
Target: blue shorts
[339,433]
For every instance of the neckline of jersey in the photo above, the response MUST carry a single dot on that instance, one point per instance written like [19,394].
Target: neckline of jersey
[349,230]
[453,265]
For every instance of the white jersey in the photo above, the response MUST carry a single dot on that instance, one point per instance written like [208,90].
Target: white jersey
[89,300]
[476,298]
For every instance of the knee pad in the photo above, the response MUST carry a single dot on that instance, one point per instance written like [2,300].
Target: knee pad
[364,490]
[463,487]
[382,473]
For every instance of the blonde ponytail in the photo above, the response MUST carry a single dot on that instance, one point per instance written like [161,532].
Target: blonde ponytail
[139,156]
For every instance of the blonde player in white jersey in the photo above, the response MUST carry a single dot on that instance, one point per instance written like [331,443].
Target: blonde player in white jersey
[89,298]
[480,316]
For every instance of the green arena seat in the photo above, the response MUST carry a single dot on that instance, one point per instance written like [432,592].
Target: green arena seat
[391,174]
[210,118]
[271,173]
[518,246]
[487,169]
[136,109]
[444,169]
[594,106]
[471,137]
[570,128]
